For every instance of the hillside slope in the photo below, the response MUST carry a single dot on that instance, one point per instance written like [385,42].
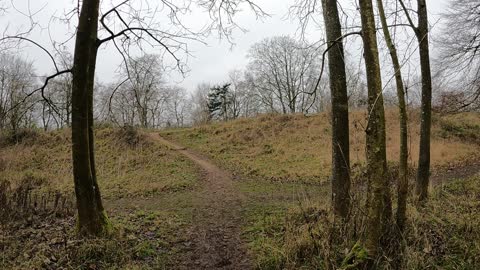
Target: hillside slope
[298,148]
[129,164]
[147,190]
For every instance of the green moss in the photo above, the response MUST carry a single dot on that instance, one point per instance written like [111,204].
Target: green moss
[107,224]
[357,256]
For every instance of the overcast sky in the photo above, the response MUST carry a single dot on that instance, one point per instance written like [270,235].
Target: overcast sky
[209,63]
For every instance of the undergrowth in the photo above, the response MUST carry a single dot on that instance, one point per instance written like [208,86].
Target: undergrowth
[37,220]
[142,240]
[130,136]
[444,234]
[21,136]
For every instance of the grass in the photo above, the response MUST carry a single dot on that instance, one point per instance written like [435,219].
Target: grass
[296,148]
[148,196]
[285,159]
[266,215]
[145,169]
[284,162]
[444,234]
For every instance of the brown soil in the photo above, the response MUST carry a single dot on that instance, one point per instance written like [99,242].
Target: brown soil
[215,237]
[459,171]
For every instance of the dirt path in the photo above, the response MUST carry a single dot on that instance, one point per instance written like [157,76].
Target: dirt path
[444,175]
[215,235]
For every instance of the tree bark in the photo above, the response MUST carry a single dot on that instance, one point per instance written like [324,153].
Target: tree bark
[340,128]
[402,187]
[378,202]
[92,219]
[423,173]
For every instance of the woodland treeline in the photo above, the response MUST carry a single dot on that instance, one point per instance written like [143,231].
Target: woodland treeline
[284,75]
[395,66]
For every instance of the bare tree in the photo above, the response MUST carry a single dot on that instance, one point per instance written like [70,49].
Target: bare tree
[459,59]
[177,105]
[59,91]
[403,159]
[118,104]
[283,71]
[378,201]
[146,87]
[238,94]
[339,101]
[17,77]
[92,219]
[421,32]
[200,113]
[246,100]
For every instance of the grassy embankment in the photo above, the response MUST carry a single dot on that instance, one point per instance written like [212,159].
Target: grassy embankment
[147,191]
[295,148]
[281,159]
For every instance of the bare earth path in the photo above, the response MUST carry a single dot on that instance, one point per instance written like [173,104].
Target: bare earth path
[215,235]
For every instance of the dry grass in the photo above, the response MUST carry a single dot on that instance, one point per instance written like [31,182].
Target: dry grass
[124,170]
[37,233]
[444,234]
[143,240]
[298,148]
[286,230]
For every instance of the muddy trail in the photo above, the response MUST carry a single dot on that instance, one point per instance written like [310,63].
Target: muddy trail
[448,173]
[215,237]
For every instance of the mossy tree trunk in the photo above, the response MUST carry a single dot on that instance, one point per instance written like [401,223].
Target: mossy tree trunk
[379,202]
[421,32]
[340,128]
[92,219]
[402,188]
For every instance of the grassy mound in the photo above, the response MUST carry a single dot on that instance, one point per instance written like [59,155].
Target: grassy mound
[128,164]
[37,213]
[296,148]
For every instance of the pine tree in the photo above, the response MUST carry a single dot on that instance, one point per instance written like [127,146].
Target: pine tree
[218,102]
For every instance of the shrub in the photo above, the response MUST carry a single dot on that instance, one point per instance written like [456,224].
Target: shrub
[12,137]
[26,198]
[129,136]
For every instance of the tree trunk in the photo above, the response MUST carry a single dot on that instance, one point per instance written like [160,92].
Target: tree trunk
[340,129]
[91,133]
[92,219]
[402,188]
[378,202]
[423,174]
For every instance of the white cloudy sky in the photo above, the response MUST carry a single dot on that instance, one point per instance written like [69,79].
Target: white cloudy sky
[210,63]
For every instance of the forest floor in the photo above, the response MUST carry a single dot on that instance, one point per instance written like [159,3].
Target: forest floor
[252,194]
[216,235]
[215,238]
